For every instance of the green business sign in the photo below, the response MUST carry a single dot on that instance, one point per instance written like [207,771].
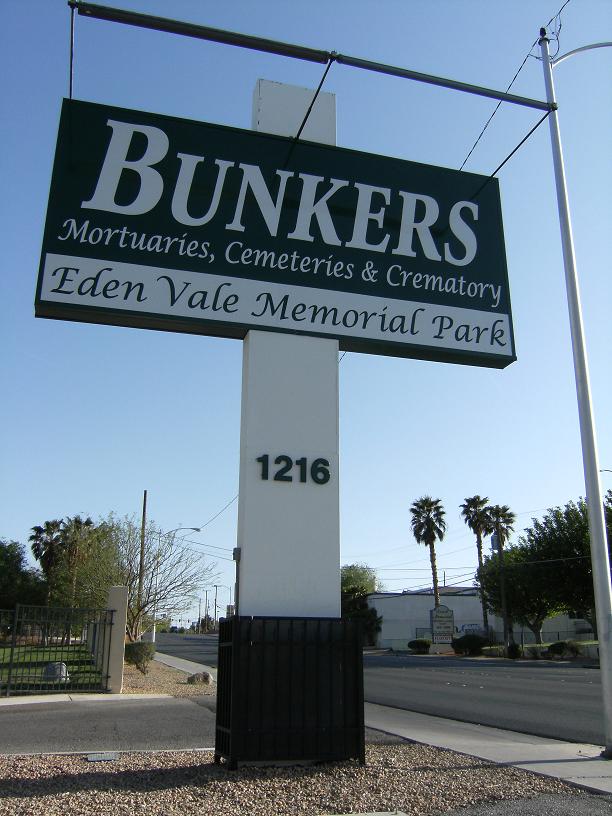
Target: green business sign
[164,223]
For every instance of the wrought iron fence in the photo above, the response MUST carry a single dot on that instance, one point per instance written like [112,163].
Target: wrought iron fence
[46,650]
[289,689]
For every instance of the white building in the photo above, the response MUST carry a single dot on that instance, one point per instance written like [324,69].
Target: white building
[406,616]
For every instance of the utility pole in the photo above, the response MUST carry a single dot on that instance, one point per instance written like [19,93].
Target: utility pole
[215,610]
[142,551]
[502,586]
[600,559]
[206,610]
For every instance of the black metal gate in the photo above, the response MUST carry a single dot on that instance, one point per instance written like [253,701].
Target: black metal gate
[289,689]
[47,650]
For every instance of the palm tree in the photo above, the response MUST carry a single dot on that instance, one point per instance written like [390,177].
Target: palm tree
[502,521]
[73,533]
[428,525]
[47,546]
[476,515]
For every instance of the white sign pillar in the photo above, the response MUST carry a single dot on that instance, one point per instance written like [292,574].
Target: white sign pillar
[288,507]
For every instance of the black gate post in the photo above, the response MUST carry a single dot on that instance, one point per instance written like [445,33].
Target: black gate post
[13,645]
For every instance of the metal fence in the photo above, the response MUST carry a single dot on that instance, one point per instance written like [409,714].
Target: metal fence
[289,689]
[46,650]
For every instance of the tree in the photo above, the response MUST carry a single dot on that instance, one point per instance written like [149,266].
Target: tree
[562,539]
[530,595]
[78,559]
[74,533]
[18,582]
[172,576]
[47,547]
[476,515]
[88,566]
[357,581]
[549,571]
[428,525]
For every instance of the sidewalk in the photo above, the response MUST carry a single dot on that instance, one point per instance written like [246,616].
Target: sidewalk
[578,764]
[184,665]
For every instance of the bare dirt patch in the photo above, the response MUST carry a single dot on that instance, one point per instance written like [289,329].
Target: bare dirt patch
[161,679]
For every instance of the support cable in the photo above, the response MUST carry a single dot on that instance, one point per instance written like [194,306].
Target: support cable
[314,98]
[71,75]
[510,155]
[308,112]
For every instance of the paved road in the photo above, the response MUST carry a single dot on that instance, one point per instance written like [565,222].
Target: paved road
[138,725]
[199,648]
[557,700]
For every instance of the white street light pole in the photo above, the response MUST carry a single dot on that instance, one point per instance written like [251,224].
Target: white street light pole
[597,526]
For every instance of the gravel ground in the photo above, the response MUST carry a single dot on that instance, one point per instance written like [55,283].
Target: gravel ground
[161,679]
[416,779]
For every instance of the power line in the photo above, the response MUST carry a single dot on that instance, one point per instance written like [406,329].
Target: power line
[428,586]
[420,569]
[202,526]
[557,16]
[204,544]
[210,555]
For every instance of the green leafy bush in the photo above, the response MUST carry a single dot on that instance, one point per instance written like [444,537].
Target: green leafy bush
[563,648]
[574,648]
[420,645]
[139,654]
[469,644]
[514,651]
[534,652]
[558,648]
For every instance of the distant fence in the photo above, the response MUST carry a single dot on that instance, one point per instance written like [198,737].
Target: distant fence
[46,650]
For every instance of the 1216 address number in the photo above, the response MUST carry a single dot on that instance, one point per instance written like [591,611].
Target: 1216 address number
[318,471]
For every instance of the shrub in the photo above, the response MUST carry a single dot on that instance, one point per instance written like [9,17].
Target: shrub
[534,652]
[181,630]
[574,648]
[558,648]
[514,651]
[420,645]
[562,648]
[139,654]
[469,644]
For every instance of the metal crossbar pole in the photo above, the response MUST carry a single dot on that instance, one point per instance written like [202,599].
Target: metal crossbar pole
[291,50]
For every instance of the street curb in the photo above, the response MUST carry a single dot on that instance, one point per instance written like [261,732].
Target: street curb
[78,698]
[187,666]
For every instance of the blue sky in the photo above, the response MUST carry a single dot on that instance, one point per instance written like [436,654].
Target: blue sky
[92,415]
